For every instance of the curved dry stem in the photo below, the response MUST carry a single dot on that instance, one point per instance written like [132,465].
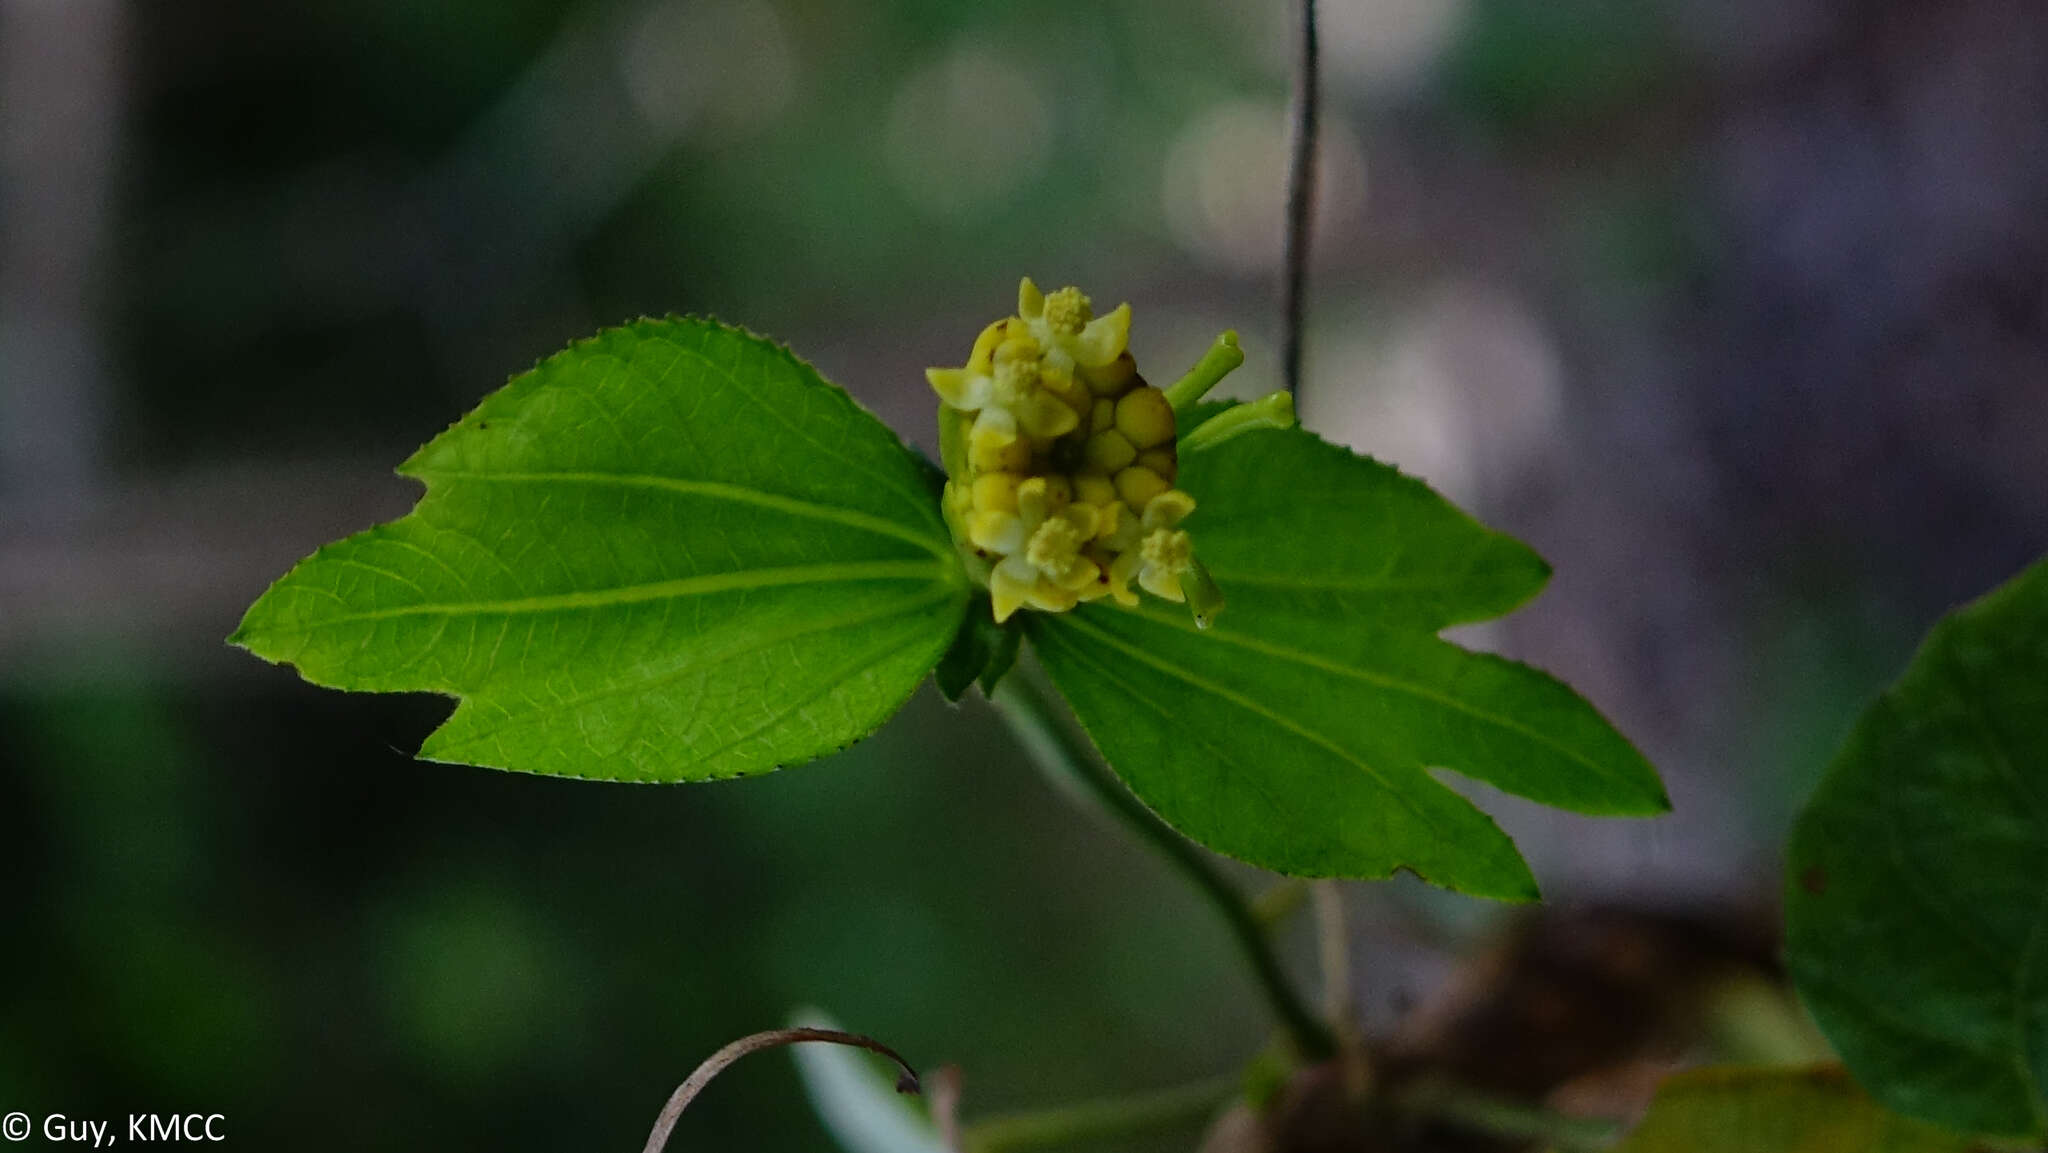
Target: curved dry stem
[773,1038]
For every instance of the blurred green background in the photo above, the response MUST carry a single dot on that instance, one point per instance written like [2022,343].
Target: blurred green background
[1735,309]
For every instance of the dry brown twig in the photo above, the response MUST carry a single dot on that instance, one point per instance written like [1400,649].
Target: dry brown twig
[718,1062]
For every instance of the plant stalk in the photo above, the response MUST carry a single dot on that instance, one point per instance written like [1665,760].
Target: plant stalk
[1333,934]
[1099,1120]
[1502,1117]
[1272,411]
[1036,720]
[1305,116]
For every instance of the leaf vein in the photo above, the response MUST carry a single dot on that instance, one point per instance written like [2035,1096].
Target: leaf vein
[740,494]
[1390,684]
[1257,709]
[743,581]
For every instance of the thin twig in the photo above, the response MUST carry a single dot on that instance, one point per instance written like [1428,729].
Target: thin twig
[943,1091]
[1333,935]
[1035,718]
[717,1063]
[1340,1008]
[1301,195]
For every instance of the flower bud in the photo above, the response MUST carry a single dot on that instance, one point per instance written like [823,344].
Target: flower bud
[1062,461]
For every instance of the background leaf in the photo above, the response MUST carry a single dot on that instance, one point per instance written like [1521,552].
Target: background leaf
[671,552]
[1299,733]
[1812,1110]
[1917,903]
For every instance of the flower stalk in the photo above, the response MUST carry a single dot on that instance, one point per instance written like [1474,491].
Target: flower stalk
[1071,762]
[1222,359]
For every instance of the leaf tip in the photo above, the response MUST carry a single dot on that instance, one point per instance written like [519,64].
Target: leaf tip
[1521,889]
[250,636]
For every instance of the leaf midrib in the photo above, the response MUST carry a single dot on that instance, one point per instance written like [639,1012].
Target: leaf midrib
[739,581]
[1254,707]
[699,661]
[1390,684]
[741,494]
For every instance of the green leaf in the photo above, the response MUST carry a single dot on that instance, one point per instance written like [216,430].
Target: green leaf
[671,552]
[1809,1110]
[1300,732]
[1917,896]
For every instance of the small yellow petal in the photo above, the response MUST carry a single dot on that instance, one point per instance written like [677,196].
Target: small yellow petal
[1030,301]
[1168,509]
[1120,573]
[1032,501]
[1049,597]
[994,425]
[1111,520]
[1079,575]
[995,531]
[998,456]
[996,491]
[981,360]
[1103,339]
[1043,414]
[1018,346]
[1006,592]
[959,388]
[1161,583]
[1060,379]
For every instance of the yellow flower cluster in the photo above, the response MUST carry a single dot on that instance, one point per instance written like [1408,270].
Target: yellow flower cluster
[1062,486]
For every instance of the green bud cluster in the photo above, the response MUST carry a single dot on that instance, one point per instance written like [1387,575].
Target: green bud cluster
[1062,463]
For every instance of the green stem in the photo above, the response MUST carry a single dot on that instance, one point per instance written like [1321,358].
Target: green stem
[1029,709]
[1099,1120]
[1504,1118]
[1275,410]
[1220,361]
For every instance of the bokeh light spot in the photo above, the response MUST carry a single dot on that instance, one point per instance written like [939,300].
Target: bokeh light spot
[1225,184]
[967,131]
